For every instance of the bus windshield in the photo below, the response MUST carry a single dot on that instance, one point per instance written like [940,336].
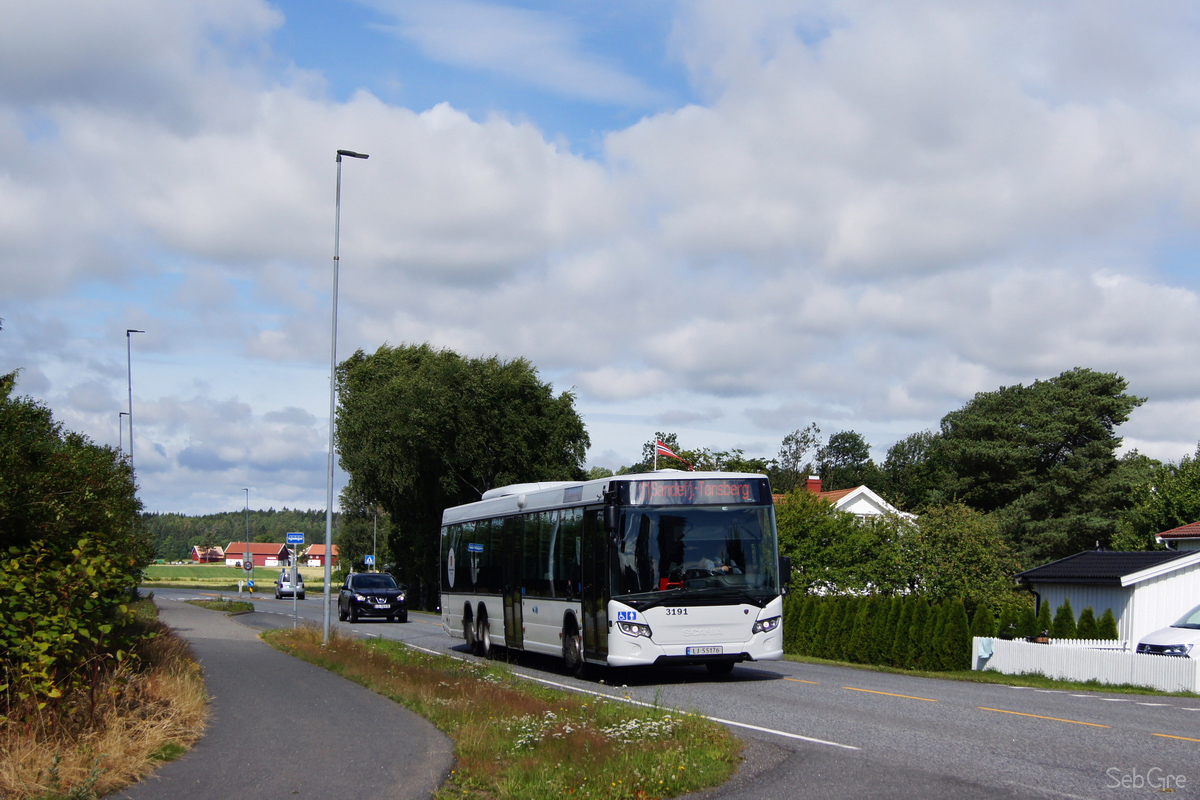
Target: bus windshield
[714,551]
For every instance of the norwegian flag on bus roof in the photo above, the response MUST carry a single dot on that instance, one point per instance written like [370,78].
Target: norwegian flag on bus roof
[661,449]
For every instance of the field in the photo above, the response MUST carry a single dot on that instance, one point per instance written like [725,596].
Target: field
[219,576]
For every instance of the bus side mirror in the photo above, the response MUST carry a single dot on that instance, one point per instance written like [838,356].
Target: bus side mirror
[785,574]
[612,520]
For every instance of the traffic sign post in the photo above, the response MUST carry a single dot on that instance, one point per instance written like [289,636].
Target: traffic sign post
[295,537]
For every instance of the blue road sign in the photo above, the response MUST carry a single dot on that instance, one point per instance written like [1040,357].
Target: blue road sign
[295,538]
[369,560]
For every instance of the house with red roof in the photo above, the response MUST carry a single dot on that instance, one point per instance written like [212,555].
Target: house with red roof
[316,556]
[859,501]
[207,555]
[263,554]
[1185,537]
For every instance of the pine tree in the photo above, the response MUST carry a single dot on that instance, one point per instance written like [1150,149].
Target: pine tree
[1064,621]
[1027,624]
[1044,623]
[916,631]
[1087,625]
[1006,628]
[860,639]
[983,624]
[820,628]
[899,652]
[924,643]
[1107,626]
[956,636]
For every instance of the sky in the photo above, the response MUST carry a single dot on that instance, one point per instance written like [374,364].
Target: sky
[725,220]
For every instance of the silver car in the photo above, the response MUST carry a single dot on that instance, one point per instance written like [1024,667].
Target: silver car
[284,588]
[1180,639]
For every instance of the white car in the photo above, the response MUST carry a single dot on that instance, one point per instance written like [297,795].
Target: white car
[283,586]
[1181,639]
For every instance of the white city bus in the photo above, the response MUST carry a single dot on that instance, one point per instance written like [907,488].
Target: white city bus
[665,567]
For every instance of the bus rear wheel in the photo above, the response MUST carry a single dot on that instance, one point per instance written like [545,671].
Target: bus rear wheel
[483,637]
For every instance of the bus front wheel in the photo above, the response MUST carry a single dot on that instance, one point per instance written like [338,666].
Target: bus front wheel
[572,657]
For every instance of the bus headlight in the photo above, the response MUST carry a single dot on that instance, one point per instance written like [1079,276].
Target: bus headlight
[764,625]
[634,629]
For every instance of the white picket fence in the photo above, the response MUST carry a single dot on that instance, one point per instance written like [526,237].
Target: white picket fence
[1106,661]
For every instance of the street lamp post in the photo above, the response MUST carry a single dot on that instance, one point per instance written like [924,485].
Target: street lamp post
[129,374]
[337,225]
[248,559]
[375,543]
[121,431]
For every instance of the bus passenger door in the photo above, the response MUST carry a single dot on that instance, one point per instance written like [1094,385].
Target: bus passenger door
[513,550]
[595,586]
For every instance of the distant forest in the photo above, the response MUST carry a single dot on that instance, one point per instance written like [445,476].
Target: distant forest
[176,534]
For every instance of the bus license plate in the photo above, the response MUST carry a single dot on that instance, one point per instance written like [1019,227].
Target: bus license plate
[705,651]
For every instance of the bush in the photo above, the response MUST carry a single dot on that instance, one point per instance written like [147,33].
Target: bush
[1044,624]
[983,624]
[1087,628]
[1064,621]
[1027,623]
[73,551]
[956,637]
[1107,627]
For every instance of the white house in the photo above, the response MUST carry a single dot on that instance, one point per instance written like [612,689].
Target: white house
[1145,590]
[1186,537]
[859,501]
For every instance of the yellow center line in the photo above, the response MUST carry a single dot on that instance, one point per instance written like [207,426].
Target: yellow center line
[889,694]
[797,680]
[1039,716]
[1169,736]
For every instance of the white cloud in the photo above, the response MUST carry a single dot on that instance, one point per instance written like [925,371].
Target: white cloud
[534,47]
[878,211]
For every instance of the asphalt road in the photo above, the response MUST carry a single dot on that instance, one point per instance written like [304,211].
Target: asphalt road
[819,731]
[283,729]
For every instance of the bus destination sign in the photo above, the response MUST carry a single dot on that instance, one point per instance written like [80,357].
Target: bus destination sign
[697,492]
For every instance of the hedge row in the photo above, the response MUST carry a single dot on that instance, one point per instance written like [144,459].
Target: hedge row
[1022,623]
[912,633]
[905,632]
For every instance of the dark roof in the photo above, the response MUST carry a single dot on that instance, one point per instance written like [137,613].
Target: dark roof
[1098,567]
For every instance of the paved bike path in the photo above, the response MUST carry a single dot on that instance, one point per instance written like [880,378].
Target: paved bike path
[283,729]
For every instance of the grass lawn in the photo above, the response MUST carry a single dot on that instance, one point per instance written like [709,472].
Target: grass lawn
[219,576]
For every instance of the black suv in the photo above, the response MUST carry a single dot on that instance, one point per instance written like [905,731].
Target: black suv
[371,594]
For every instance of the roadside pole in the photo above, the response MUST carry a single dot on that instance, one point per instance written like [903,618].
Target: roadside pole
[295,540]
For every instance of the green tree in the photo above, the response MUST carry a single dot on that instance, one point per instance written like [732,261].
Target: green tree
[73,551]
[844,462]
[1027,622]
[1087,625]
[794,462]
[913,475]
[1168,498]
[983,624]
[420,429]
[958,552]
[1063,626]
[1106,628]
[1045,625]
[810,530]
[1042,457]
[956,637]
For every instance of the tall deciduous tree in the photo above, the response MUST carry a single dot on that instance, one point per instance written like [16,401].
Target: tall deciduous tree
[1042,457]
[845,462]
[420,429]
[795,460]
[1168,498]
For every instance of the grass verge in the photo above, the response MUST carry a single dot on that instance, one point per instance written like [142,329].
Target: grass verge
[1034,680]
[517,739]
[149,709]
[224,604]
